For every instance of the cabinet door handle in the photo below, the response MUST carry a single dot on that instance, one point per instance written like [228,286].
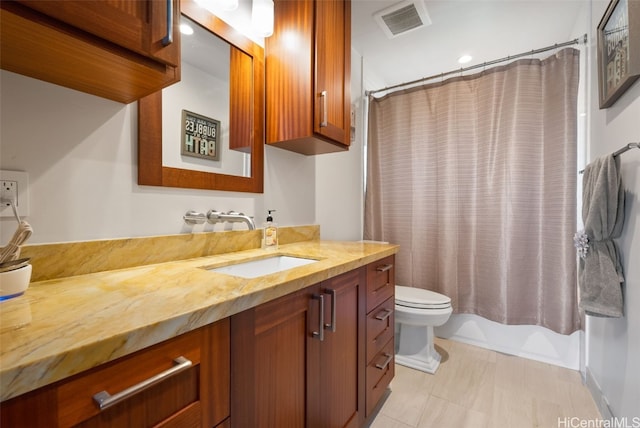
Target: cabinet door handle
[168,39]
[334,296]
[320,333]
[104,400]
[384,268]
[384,314]
[384,365]
[323,107]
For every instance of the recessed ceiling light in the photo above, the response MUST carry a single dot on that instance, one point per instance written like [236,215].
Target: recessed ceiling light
[186,29]
[465,59]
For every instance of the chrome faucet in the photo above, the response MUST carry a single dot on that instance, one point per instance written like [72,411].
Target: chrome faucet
[214,217]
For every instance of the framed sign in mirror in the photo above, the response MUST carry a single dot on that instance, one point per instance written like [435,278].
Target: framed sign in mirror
[241,125]
[200,136]
[618,36]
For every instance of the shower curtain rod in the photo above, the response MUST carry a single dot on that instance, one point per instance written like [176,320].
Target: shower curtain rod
[484,64]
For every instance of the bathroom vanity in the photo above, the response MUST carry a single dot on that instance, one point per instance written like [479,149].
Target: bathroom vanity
[226,350]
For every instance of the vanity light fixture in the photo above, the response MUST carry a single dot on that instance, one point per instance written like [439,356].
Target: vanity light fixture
[218,5]
[465,59]
[228,4]
[262,17]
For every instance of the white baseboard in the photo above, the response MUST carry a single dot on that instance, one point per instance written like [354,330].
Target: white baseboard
[598,397]
[527,341]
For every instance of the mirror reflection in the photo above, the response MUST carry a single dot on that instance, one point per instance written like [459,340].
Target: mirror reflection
[234,161]
[195,111]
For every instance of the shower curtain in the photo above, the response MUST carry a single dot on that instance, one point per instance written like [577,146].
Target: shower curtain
[475,179]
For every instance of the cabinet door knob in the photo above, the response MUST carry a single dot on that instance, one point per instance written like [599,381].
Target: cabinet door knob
[320,333]
[104,400]
[334,296]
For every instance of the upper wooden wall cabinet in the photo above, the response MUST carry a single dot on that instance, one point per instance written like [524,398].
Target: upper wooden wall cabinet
[115,49]
[308,74]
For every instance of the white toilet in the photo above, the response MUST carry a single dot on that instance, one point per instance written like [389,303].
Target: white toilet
[417,311]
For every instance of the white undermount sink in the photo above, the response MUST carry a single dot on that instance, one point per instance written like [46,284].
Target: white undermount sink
[256,268]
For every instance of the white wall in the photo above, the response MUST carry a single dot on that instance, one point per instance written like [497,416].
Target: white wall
[80,152]
[339,176]
[613,345]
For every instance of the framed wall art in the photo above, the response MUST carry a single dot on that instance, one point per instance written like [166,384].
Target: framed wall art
[618,36]
[200,136]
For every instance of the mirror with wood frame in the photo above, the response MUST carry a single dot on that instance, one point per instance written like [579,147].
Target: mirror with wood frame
[245,120]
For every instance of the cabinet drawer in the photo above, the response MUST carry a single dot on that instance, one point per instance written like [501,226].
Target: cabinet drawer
[380,281]
[177,392]
[380,371]
[380,327]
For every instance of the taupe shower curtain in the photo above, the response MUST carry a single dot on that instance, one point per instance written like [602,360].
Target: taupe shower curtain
[475,179]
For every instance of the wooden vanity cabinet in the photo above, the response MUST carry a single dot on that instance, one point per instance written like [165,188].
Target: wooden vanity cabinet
[308,75]
[197,396]
[290,368]
[380,331]
[116,49]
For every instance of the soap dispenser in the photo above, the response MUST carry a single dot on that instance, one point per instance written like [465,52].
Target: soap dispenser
[270,233]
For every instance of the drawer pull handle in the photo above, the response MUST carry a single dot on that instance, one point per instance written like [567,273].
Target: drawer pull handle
[384,268]
[384,314]
[384,365]
[334,296]
[323,121]
[320,333]
[104,400]
[168,39]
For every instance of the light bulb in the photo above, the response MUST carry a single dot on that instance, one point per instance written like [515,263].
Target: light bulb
[228,4]
[218,5]
[186,29]
[262,17]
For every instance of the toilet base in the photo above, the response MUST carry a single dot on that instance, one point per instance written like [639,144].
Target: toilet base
[415,349]
[430,365]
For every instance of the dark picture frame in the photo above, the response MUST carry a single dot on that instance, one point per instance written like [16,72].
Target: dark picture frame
[200,136]
[618,37]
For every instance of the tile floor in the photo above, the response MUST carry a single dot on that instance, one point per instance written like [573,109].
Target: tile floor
[476,387]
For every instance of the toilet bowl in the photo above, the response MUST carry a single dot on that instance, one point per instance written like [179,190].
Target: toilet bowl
[417,311]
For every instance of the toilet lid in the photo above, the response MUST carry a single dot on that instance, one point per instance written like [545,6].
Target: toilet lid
[420,298]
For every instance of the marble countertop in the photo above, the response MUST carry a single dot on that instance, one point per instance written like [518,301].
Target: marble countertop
[64,326]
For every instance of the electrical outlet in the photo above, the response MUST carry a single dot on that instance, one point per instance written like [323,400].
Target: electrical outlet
[14,186]
[9,191]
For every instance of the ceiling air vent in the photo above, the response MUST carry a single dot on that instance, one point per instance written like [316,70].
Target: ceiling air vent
[402,18]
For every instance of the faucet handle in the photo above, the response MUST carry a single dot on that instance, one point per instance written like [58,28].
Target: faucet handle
[213,216]
[194,217]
